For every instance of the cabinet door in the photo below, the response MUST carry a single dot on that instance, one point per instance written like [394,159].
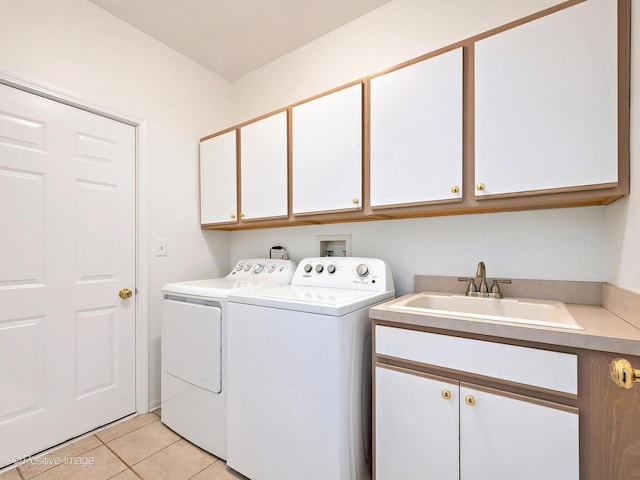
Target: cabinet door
[505,438]
[218,187]
[416,427]
[416,132]
[327,152]
[546,102]
[263,168]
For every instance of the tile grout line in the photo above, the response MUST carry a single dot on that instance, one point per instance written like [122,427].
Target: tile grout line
[216,459]
[155,453]
[117,456]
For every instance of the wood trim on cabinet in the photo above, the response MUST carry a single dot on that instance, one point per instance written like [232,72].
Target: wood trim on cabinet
[514,388]
[624,95]
[366,147]
[610,423]
[468,122]
[239,214]
[290,163]
[520,397]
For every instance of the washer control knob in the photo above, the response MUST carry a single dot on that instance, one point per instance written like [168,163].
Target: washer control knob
[331,268]
[319,268]
[239,267]
[271,268]
[258,267]
[247,267]
[362,270]
[308,267]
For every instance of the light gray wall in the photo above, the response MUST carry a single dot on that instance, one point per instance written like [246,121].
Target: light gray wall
[558,244]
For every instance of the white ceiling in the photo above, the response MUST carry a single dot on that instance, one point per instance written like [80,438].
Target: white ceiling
[234,37]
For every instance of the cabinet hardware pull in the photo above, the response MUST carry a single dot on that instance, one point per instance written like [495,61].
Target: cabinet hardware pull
[455,189]
[480,187]
[470,400]
[623,374]
[233,215]
[242,215]
[446,394]
[355,201]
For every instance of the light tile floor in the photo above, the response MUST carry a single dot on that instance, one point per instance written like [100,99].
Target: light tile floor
[138,448]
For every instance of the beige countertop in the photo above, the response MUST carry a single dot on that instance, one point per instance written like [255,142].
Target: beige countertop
[603,330]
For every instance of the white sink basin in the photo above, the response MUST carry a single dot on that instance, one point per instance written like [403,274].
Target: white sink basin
[517,310]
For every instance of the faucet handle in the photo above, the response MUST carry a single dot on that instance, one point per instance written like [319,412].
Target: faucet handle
[495,288]
[471,289]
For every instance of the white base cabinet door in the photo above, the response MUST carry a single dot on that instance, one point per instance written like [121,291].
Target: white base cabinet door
[503,438]
[428,427]
[416,427]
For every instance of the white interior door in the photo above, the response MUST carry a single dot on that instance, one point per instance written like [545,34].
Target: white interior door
[67,247]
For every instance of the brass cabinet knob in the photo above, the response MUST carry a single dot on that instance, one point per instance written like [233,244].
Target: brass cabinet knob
[355,201]
[446,394]
[125,293]
[470,400]
[455,189]
[242,215]
[233,216]
[623,374]
[480,186]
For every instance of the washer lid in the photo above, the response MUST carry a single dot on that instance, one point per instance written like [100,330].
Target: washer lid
[212,287]
[325,301]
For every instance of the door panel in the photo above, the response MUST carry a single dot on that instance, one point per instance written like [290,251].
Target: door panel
[67,210]
[504,438]
[415,424]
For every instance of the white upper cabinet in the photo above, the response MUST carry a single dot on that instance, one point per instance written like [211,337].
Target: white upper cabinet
[263,168]
[218,179]
[546,102]
[327,152]
[416,132]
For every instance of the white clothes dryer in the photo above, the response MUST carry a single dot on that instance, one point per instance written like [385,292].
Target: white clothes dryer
[193,342]
[299,363]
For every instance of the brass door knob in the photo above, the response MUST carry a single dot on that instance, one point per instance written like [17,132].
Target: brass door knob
[470,400]
[623,374]
[446,394]
[125,293]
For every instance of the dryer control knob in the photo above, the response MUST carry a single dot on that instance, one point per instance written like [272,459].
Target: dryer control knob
[331,268]
[258,267]
[271,268]
[239,267]
[247,267]
[308,267]
[362,270]
[319,268]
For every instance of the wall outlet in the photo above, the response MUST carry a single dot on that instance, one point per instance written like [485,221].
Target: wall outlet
[160,247]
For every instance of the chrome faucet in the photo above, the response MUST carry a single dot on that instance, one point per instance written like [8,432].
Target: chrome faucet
[483,289]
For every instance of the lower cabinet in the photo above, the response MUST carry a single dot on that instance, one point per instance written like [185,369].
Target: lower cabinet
[429,427]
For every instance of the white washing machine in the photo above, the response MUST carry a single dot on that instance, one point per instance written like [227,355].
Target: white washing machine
[193,340]
[299,372]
